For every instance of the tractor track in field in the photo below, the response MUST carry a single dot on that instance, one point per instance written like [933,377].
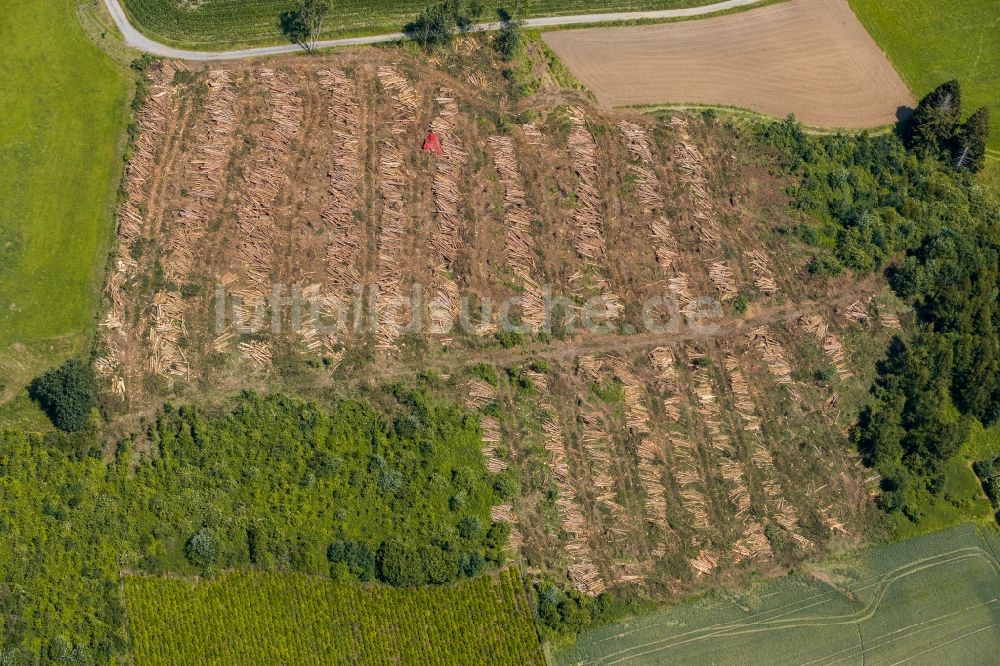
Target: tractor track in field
[739,627]
[136,39]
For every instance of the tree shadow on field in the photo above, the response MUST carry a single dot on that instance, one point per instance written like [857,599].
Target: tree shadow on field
[903,115]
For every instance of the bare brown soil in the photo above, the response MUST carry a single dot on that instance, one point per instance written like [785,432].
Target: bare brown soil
[812,58]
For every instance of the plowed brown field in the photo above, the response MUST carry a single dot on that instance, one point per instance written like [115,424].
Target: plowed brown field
[812,58]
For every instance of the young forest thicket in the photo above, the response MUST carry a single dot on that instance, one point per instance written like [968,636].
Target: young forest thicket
[919,214]
[274,484]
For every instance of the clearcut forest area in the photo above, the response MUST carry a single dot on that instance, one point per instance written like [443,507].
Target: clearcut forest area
[420,354]
[217,23]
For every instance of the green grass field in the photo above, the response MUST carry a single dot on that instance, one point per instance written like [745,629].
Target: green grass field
[268,618]
[931,42]
[931,599]
[62,114]
[218,23]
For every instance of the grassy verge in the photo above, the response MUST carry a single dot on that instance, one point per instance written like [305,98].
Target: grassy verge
[930,43]
[317,621]
[750,116]
[961,500]
[63,107]
[221,24]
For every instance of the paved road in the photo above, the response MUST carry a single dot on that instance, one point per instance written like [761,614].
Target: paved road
[138,40]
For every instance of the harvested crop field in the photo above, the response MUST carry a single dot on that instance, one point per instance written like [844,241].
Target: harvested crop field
[812,58]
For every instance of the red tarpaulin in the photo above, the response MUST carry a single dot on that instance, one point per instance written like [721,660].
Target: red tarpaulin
[433,143]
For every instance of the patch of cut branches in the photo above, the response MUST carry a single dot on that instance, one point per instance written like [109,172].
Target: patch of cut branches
[637,419]
[532,134]
[662,359]
[118,337]
[588,226]
[858,312]
[480,393]
[165,354]
[392,234]
[405,99]
[519,241]
[831,523]
[589,367]
[393,222]
[647,183]
[347,241]
[834,350]
[491,440]
[709,410]
[444,238]
[745,407]
[648,194]
[763,276]
[182,238]
[753,544]
[722,278]
[257,352]
[502,513]
[651,476]
[832,346]
[692,167]
[704,563]
[649,453]
[597,441]
[773,354]
[262,181]
[788,518]
[582,571]
[689,480]
[889,321]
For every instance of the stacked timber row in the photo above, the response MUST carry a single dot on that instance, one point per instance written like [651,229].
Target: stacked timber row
[394,220]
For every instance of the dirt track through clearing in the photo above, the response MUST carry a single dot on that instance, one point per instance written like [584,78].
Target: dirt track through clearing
[812,58]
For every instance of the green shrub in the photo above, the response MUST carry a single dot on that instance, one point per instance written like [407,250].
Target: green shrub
[508,339]
[67,394]
[201,549]
[356,557]
[486,372]
[507,41]
[400,565]
[933,122]
[437,24]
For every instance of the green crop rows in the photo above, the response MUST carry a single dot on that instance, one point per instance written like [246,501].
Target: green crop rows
[272,618]
[217,23]
[932,597]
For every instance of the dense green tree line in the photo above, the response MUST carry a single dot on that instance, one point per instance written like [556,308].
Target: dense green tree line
[936,128]
[398,494]
[902,204]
